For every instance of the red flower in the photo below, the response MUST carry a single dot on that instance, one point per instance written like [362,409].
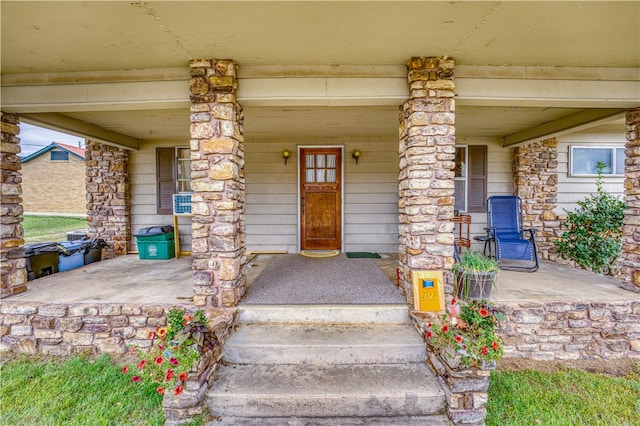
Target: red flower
[160,390]
[160,347]
[453,301]
[445,328]
[158,360]
[428,334]
[178,390]
[483,312]
[142,364]
[169,375]
[485,350]
[173,361]
[135,379]
[458,338]
[494,345]
[429,324]
[182,376]
[125,369]
[151,335]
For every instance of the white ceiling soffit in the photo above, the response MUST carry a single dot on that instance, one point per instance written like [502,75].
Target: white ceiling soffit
[123,66]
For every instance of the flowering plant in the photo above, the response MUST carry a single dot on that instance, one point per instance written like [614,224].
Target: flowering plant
[174,351]
[469,330]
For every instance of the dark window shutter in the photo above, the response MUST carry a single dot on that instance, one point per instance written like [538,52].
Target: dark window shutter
[165,165]
[477,193]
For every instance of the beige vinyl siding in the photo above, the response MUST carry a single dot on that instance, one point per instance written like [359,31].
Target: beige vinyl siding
[142,170]
[271,217]
[370,195]
[571,188]
[271,196]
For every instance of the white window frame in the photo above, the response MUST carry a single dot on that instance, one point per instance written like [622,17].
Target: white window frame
[183,180]
[463,178]
[614,153]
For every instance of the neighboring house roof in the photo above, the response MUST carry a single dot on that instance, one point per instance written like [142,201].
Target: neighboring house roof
[77,151]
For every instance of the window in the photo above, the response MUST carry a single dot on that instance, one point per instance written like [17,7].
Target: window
[470,179]
[56,155]
[584,160]
[173,171]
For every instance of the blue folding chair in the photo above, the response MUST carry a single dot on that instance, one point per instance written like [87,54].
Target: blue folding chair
[515,247]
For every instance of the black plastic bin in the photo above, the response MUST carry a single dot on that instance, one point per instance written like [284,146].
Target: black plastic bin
[92,249]
[42,259]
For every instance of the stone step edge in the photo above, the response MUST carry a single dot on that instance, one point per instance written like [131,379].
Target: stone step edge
[324,314]
[431,420]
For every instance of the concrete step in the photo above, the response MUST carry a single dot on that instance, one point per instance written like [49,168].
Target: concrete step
[324,344]
[271,391]
[434,420]
[324,314]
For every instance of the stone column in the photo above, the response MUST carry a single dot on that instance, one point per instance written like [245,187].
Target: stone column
[217,172]
[427,160]
[108,197]
[630,257]
[14,264]
[535,171]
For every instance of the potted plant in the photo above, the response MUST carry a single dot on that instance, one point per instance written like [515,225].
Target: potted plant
[466,334]
[474,275]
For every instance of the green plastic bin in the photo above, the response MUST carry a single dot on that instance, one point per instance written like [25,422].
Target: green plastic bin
[155,250]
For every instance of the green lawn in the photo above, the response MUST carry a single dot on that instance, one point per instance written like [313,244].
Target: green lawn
[74,392]
[80,391]
[562,398]
[50,228]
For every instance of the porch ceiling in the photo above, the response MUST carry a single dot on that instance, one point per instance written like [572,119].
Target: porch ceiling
[90,38]
[299,123]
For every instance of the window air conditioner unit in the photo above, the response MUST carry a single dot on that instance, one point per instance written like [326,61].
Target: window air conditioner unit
[182,204]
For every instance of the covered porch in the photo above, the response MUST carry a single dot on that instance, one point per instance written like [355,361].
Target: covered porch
[557,313]
[170,282]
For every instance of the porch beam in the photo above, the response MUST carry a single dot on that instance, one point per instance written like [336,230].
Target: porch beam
[65,124]
[111,96]
[569,124]
[339,86]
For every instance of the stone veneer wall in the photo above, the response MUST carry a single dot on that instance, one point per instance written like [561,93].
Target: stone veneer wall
[571,330]
[546,331]
[108,197]
[427,154]
[630,259]
[64,329]
[13,263]
[535,170]
[218,185]
[59,329]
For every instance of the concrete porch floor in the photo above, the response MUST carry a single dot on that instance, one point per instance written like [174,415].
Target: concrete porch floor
[129,279]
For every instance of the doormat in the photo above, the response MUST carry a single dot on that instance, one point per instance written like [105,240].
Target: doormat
[319,253]
[362,254]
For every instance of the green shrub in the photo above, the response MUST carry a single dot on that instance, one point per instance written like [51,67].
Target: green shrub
[592,233]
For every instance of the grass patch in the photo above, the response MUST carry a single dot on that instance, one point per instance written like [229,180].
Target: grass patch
[50,228]
[76,391]
[569,397]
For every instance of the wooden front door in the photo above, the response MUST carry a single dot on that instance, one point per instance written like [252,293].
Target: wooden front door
[320,198]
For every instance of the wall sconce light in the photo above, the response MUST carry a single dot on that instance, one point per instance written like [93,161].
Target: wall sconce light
[356,155]
[286,154]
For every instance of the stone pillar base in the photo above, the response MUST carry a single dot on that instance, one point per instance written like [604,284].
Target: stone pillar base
[14,265]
